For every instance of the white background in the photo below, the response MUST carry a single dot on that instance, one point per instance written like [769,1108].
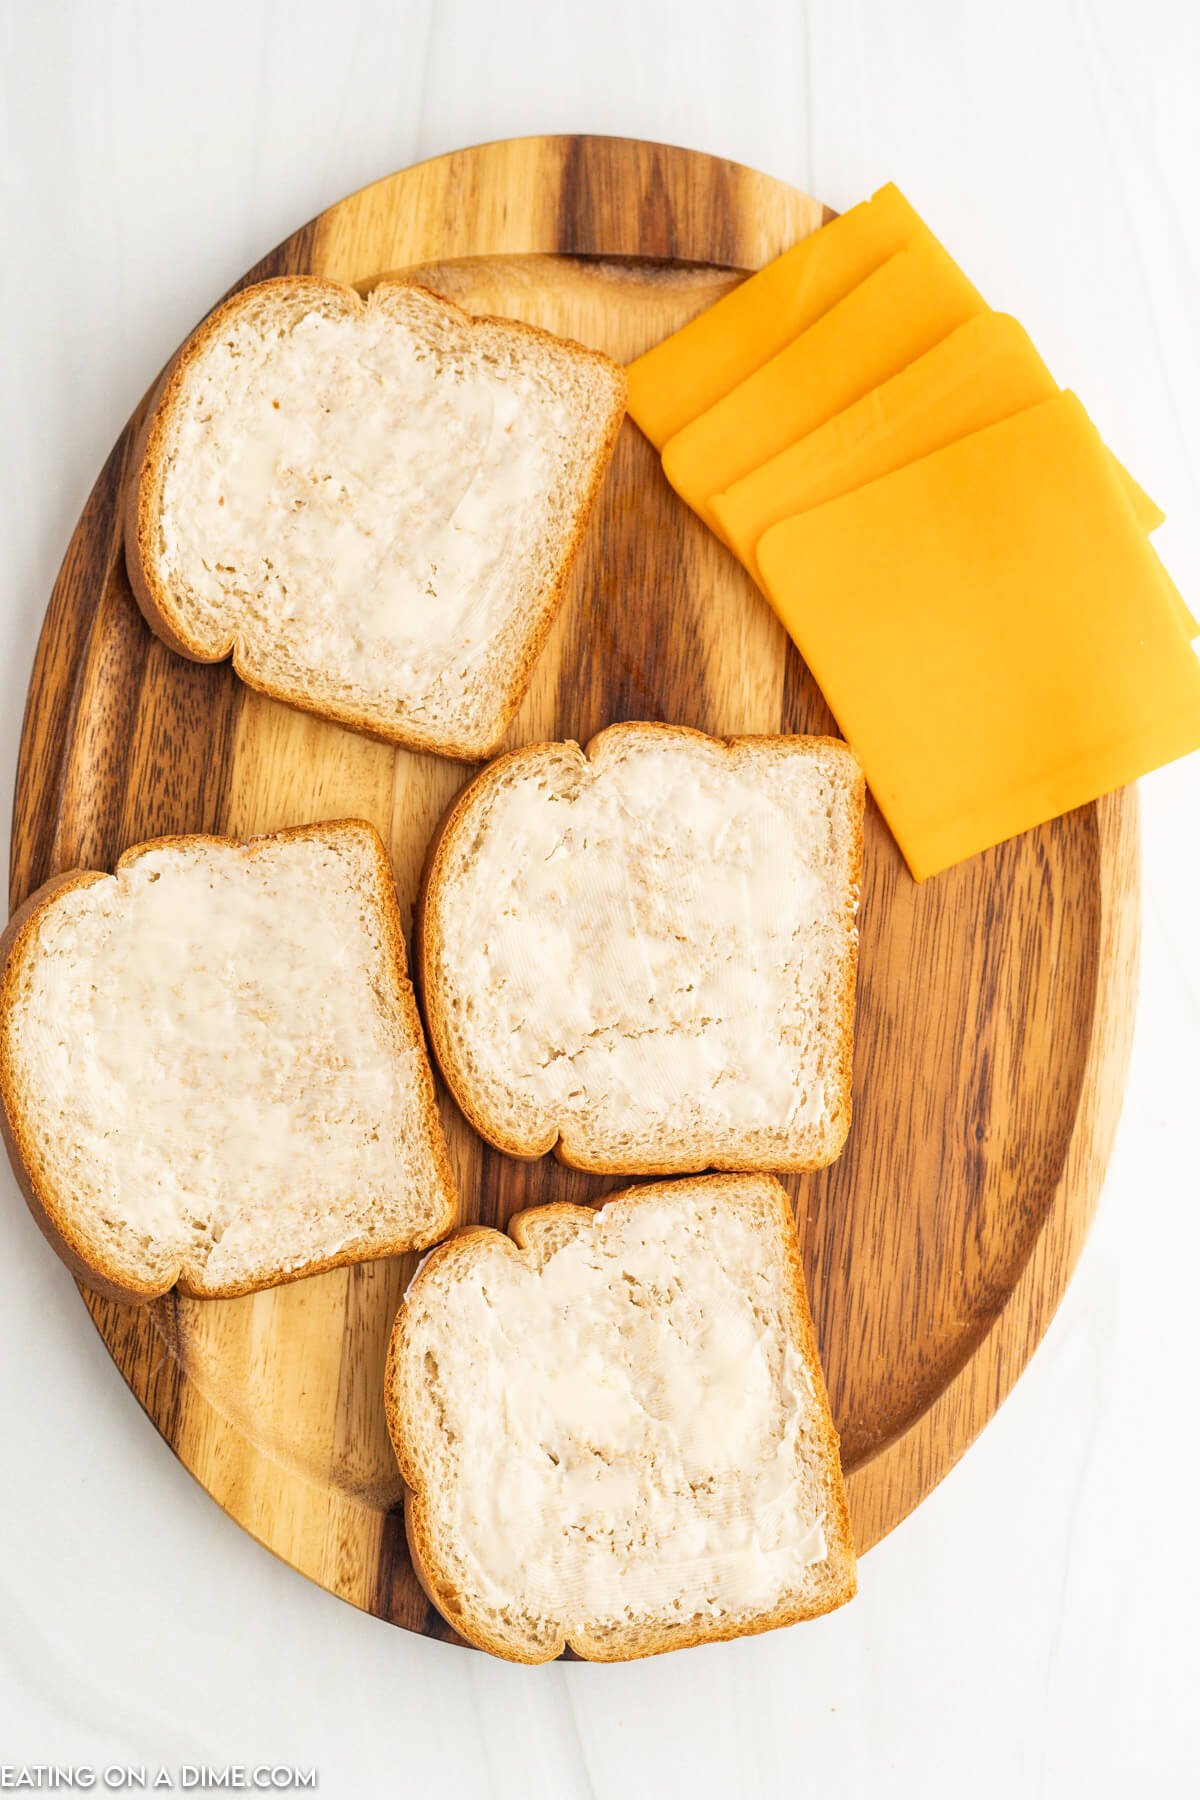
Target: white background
[1032,1630]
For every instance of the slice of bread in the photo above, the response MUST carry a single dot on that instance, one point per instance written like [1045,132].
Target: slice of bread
[373,506]
[644,955]
[614,1429]
[211,1066]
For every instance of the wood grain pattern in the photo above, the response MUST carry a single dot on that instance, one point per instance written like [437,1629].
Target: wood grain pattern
[995,1002]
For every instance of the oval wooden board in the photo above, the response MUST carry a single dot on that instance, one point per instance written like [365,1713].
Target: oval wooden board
[995,1002]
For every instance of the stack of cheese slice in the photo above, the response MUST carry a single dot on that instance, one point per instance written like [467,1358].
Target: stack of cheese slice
[961,562]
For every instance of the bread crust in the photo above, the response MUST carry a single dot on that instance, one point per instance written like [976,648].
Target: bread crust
[143,497]
[455,1607]
[427,949]
[52,1212]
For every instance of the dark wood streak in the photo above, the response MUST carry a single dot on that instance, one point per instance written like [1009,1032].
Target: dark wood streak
[397,1595]
[52,701]
[150,1339]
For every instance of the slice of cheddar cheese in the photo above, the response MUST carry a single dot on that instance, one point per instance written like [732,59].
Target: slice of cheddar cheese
[987,628]
[985,371]
[1150,514]
[913,301]
[677,380]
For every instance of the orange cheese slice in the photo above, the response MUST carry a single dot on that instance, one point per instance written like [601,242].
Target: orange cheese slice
[914,300]
[677,380]
[1150,514]
[985,371]
[987,627]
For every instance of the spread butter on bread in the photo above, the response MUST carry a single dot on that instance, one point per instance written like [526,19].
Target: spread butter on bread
[613,1426]
[371,505]
[643,955]
[212,1072]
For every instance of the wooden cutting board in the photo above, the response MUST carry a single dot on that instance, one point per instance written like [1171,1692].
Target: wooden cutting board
[995,1002]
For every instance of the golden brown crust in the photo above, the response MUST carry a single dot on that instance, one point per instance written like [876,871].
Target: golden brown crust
[427,949]
[640,1641]
[143,501]
[49,1207]
[51,1220]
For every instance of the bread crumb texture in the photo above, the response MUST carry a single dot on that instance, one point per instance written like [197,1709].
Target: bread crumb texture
[215,1067]
[650,950]
[618,1435]
[373,504]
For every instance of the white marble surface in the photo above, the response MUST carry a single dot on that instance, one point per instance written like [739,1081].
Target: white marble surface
[1032,1629]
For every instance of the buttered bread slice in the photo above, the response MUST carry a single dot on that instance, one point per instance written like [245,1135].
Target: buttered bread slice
[211,1066]
[373,506]
[614,1429]
[643,955]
